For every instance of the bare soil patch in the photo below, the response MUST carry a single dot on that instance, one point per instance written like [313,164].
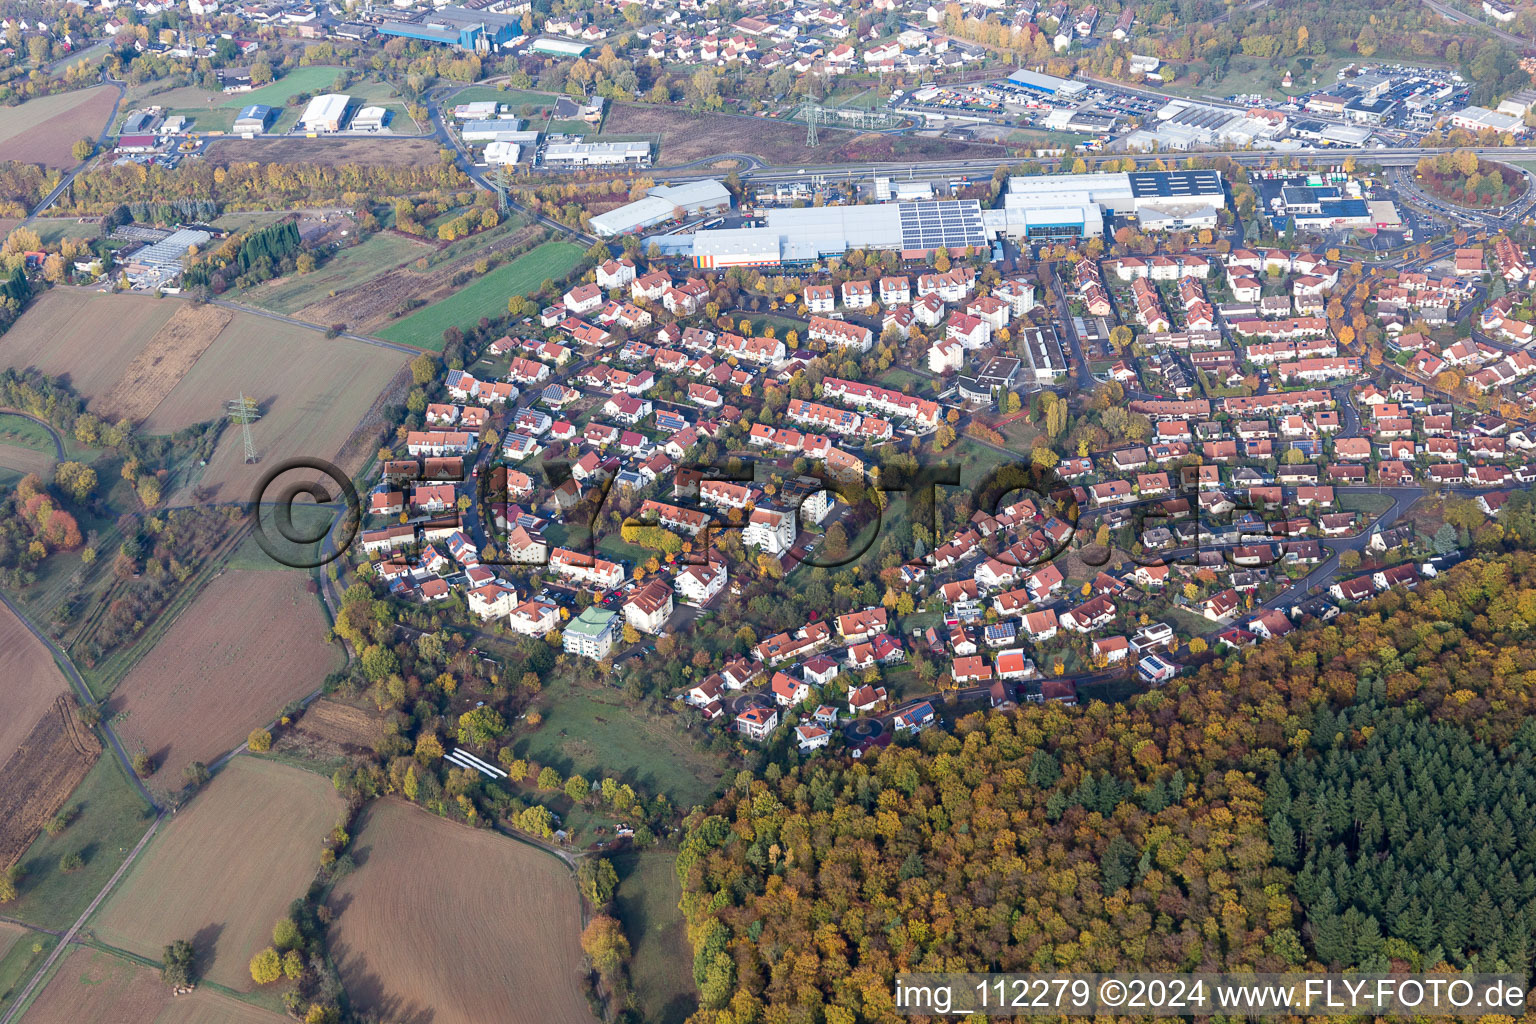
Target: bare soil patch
[250,643]
[370,152]
[687,137]
[90,337]
[225,868]
[37,779]
[160,365]
[489,916]
[45,130]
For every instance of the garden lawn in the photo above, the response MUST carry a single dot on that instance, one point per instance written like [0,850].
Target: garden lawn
[486,297]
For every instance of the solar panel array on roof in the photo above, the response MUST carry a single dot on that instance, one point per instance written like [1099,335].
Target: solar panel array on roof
[941,224]
[1175,184]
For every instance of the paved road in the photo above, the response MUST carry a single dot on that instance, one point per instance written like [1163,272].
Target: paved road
[83,693]
[69,937]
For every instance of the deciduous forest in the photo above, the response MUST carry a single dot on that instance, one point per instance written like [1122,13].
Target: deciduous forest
[1349,796]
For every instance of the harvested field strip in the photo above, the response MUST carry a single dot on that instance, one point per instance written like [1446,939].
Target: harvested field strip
[350,726]
[225,868]
[37,779]
[486,297]
[249,644]
[508,912]
[160,365]
[31,681]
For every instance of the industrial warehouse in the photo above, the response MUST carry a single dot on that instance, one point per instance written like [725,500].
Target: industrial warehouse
[663,203]
[1062,207]
[327,113]
[808,234]
[1045,208]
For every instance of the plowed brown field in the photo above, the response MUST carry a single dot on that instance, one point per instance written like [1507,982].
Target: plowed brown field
[225,868]
[488,916]
[94,987]
[250,643]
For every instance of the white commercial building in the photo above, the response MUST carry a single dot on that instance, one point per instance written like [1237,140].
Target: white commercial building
[370,119]
[502,154]
[663,203]
[590,154]
[326,113]
[1062,206]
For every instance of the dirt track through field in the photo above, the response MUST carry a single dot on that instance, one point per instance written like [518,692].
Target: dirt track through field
[159,367]
[487,915]
[250,643]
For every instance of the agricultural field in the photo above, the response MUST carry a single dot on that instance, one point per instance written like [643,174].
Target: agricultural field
[336,150]
[489,915]
[90,336]
[380,252]
[37,739]
[160,365]
[485,297]
[24,450]
[44,130]
[661,965]
[249,644]
[374,302]
[313,392]
[688,137]
[92,986]
[225,868]
[153,358]
[40,773]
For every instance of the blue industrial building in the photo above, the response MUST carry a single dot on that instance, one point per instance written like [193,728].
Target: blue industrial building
[471,31]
